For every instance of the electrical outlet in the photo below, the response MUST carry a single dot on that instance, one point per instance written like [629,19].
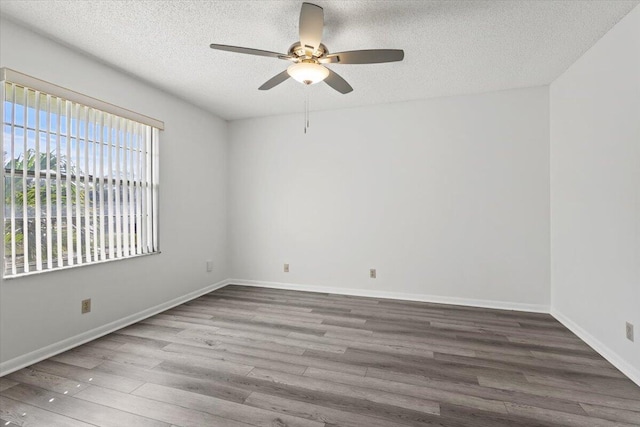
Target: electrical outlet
[86,306]
[372,273]
[209,266]
[286,268]
[630,331]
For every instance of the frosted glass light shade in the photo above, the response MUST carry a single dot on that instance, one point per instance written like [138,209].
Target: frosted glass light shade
[308,72]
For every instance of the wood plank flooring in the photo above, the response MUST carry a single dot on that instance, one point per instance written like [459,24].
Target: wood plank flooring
[243,356]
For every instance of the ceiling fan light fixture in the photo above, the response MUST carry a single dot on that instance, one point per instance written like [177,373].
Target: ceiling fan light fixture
[308,73]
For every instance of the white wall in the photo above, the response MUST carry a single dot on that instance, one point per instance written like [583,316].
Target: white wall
[595,194]
[445,197]
[42,310]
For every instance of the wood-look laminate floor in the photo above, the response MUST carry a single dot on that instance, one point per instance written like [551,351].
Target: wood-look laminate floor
[243,356]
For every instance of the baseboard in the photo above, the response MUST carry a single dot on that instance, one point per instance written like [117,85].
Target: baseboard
[51,350]
[56,348]
[599,347]
[501,305]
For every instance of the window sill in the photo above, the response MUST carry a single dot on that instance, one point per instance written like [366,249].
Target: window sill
[70,267]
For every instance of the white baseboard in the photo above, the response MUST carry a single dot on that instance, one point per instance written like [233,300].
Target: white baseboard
[51,350]
[501,305]
[613,358]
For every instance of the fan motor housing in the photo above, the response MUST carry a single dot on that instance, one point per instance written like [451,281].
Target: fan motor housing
[298,51]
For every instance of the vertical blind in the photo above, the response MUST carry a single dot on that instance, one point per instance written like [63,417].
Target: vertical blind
[80,183]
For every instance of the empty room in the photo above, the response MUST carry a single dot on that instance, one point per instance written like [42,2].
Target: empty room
[320,214]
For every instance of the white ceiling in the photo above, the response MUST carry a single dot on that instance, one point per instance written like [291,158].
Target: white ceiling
[451,47]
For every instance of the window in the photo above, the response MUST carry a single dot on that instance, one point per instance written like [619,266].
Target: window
[80,178]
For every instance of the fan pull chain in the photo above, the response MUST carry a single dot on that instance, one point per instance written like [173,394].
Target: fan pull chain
[306,109]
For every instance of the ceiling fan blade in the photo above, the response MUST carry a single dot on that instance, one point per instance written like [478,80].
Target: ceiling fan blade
[275,80]
[371,56]
[248,51]
[338,83]
[311,25]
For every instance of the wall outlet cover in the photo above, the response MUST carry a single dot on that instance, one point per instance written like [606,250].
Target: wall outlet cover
[286,268]
[372,273]
[86,306]
[209,266]
[630,331]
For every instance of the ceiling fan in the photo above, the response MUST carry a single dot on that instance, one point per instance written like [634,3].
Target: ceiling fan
[309,55]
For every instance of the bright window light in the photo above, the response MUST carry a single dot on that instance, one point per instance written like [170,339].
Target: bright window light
[81,184]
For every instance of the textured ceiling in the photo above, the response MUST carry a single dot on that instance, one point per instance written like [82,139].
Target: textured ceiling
[451,47]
